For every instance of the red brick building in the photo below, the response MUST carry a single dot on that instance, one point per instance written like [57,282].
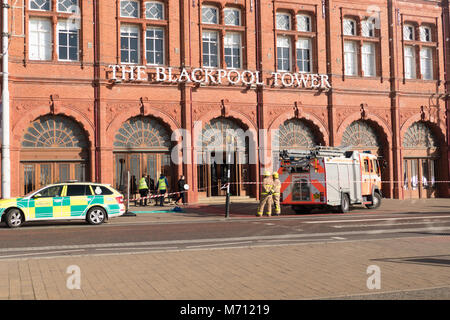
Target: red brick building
[99,88]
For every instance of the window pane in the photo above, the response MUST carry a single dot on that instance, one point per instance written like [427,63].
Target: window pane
[76,190]
[40,39]
[426,63]
[408,32]
[304,55]
[368,59]
[303,23]
[129,43]
[155,46]
[63,172]
[350,56]
[67,6]
[425,34]
[80,172]
[232,17]
[368,28]
[283,53]
[154,10]
[232,48]
[349,27]
[40,5]
[283,21]
[129,9]
[410,62]
[51,192]
[209,15]
[210,49]
[28,178]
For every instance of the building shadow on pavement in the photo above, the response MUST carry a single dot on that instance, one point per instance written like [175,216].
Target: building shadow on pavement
[439,260]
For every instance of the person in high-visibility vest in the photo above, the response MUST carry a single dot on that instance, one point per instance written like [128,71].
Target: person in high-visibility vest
[266,195]
[162,186]
[276,193]
[143,189]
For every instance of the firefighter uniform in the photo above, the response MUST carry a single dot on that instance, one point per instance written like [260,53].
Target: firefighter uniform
[276,193]
[266,195]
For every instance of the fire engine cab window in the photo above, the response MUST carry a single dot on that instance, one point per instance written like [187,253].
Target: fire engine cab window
[77,190]
[366,165]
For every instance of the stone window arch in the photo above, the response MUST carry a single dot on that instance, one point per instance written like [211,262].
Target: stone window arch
[142,133]
[295,134]
[54,132]
[419,136]
[360,134]
[220,131]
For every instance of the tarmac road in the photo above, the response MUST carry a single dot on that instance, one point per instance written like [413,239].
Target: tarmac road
[198,254]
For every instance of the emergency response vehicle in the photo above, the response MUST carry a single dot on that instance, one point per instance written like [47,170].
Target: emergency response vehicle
[92,202]
[329,177]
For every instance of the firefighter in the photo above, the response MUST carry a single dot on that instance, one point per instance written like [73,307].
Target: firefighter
[266,195]
[276,193]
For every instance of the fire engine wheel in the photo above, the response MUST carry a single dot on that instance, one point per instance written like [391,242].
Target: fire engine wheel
[345,204]
[376,202]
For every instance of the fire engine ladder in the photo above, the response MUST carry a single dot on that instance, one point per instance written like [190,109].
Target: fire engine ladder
[314,153]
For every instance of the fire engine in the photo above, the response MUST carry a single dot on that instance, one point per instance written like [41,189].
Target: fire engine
[329,177]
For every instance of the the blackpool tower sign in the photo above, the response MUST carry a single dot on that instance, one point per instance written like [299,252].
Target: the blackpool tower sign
[209,76]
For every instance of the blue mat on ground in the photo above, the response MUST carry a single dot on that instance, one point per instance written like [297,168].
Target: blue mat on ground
[176,209]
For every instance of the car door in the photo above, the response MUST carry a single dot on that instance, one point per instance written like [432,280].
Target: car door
[75,200]
[46,204]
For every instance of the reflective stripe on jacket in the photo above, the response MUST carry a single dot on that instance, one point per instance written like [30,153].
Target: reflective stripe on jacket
[276,186]
[267,185]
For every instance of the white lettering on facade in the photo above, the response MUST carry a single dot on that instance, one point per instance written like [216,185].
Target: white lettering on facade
[210,76]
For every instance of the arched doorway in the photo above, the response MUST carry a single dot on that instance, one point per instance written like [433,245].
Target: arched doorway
[368,136]
[294,134]
[224,141]
[54,149]
[142,146]
[420,162]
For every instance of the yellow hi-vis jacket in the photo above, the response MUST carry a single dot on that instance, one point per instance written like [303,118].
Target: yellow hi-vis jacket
[162,184]
[142,184]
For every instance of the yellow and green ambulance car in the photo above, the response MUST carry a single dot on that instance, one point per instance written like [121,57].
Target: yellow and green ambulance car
[92,202]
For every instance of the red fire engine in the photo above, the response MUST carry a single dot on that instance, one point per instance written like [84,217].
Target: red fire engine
[329,177]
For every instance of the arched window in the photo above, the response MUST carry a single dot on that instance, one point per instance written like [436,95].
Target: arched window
[142,133]
[54,132]
[219,132]
[419,135]
[295,134]
[360,134]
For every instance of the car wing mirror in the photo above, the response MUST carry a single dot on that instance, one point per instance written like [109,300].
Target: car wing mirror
[37,195]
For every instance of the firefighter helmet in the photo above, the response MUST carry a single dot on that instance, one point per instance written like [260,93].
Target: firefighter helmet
[267,174]
[275,175]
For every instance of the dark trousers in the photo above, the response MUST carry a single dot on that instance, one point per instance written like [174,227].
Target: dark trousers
[161,197]
[182,196]
[143,193]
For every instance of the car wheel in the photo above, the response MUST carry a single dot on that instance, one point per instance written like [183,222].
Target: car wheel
[376,202]
[96,216]
[345,204]
[14,218]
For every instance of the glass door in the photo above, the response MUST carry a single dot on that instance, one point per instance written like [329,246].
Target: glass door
[419,178]
[39,174]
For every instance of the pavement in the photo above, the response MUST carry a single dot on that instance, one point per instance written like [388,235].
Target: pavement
[410,267]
